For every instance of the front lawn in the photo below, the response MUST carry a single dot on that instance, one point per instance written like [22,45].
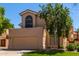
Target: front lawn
[51,53]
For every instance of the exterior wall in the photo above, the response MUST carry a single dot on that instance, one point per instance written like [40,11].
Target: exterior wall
[40,22]
[30,38]
[48,45]
[46,39]
[65,43]
[37,22]
[3,37]
[25,15]
[78,36]
[61,42]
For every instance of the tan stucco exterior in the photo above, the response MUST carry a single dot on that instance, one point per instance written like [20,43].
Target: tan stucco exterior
[37,21]
[35,37]
[30,38]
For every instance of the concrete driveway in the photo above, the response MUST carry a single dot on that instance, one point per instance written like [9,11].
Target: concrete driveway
[13,52]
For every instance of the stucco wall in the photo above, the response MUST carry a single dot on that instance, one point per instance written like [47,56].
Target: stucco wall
[24,18]
[48,45]
[6,41]
[37,22]
[27,38]
[40,22]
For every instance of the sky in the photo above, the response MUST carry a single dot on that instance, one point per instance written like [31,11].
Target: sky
[12,11]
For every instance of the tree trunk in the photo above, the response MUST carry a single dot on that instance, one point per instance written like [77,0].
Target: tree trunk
[58,42]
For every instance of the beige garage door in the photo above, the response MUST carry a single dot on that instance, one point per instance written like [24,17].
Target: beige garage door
[26,43]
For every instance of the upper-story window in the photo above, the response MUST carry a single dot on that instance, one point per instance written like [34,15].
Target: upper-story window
[28,22]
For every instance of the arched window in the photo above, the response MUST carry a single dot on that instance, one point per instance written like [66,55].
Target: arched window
[28,22]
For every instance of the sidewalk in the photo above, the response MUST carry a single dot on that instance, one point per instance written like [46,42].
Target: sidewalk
[13,52]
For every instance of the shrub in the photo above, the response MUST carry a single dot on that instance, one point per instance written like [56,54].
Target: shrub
[49,47]
[77,47]
[71,47]
[61,46]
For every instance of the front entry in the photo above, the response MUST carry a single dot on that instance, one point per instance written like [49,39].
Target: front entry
[3,43]
[54,43]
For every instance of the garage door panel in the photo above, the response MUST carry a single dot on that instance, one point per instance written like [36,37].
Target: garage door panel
[26,38]
[23,43]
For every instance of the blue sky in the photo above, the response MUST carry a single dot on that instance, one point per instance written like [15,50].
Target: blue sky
[12,11]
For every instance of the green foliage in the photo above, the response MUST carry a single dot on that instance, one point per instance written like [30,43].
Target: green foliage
[61,46]
[4,22]
[71,47]
[77,46]
[51,53]
[78,30]
[7,23]
[2,11]
[58,21]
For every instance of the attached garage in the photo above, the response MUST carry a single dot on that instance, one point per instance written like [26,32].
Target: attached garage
[29,38]
[25,43]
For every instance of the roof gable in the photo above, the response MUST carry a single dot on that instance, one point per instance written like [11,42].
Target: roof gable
[28,10]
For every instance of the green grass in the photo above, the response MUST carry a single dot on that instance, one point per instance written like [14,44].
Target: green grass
[51,53]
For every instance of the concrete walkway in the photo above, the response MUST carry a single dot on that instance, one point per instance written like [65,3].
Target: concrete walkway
[13,52]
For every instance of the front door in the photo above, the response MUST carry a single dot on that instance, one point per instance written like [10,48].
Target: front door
[3,43]
[54,43]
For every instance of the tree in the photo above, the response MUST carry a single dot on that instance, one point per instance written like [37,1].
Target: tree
[78,30]
[58,21]
[4,22]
